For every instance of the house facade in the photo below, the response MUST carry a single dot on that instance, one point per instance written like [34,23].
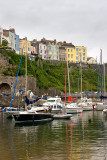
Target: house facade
[25,46]
[62,54]
[4,37]
[11,35]
[70,51]
[53,51]
[81,54]
[17,43]
[34,47]
[91,60]
[43,50]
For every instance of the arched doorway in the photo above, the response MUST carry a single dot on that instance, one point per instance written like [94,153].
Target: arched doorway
[5,88]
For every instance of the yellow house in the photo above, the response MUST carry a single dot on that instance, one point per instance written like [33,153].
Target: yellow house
[25,46]
[77,54]
[71,54]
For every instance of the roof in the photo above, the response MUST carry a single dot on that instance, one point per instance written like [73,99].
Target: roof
[88,58]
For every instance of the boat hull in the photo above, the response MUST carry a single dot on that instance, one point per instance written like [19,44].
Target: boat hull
[73,110]
[32,117]
[86,108]
[100,107]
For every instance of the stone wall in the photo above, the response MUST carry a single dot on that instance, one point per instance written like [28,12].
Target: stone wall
[20,83]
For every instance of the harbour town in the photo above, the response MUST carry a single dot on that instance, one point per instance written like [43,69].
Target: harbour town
[53,100]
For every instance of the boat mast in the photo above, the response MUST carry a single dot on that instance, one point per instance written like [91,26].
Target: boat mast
[65,75]
[104,80]
[26,72]
[81,73]
[68,77]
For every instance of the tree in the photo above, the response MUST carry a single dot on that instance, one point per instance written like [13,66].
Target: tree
[4,43]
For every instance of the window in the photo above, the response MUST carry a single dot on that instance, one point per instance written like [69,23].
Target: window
[83,54]
[76,49]
[68,55]
[41,51]
[77,54]
[44,47]
[71,55]
[68,50]
[83,58]
[77,58]
[72,61]
[71,50]
[83,50]
[79,49]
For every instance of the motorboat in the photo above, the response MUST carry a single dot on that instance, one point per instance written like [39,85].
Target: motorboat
[54,104]
[25,116]
[100,106]
[73,108]
[86,103]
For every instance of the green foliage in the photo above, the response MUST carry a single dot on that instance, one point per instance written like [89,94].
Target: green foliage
[50,75]
[36,59]
[4,43]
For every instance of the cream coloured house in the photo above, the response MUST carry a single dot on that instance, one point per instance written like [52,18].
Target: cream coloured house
[91,60]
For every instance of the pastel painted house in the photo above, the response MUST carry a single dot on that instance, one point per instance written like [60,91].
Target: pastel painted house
[34,46]
[25,46]
[3,37]
[12,38]
[43,50]
[17,43]
[81,54]
[53,51]
[91,60]
[11,35]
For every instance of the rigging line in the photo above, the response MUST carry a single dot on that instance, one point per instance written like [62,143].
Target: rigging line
[15,83]
[98,81]
[65,77]
[102,80]
[78,82]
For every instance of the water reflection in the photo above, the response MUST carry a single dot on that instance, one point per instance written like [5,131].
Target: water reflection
[82,137]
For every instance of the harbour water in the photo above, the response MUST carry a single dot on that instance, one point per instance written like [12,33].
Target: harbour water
[83,137]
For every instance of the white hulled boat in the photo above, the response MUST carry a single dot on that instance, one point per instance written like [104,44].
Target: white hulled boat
[101,106]
[86,103]
[55,104]
[73,108]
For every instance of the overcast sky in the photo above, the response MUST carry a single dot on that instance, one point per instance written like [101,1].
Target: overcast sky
[82,22]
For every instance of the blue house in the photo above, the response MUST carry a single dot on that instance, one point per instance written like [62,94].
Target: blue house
[17,43]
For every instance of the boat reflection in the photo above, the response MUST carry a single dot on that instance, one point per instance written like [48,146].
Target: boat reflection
[31,123]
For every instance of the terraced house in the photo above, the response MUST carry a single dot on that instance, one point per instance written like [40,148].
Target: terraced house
[53,51]
[46,49]
[43,48]
[25,46]
[81,54]
[11,37]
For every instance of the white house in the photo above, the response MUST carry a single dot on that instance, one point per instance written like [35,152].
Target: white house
[91,60]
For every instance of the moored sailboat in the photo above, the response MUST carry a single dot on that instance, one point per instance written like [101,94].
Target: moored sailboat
[32,117]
